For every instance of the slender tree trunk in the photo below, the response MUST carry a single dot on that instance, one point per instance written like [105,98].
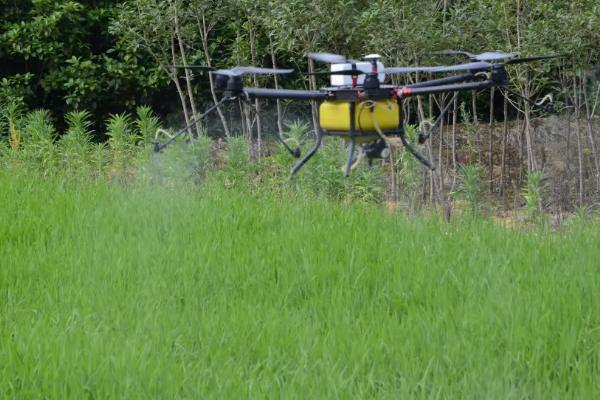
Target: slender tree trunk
[312,83]
[276,81]
[253,55]
[180,91]
[204,32]
[243,118]
[454,120]
[188,77]
[531,163]
[440,168]
[504,138]
[577,104]
[476,124]
[432,188]
[491,142]
[588,117]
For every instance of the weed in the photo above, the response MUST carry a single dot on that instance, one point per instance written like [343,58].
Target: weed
[470,188]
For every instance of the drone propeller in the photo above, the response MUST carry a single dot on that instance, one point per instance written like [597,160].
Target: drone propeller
[485,56]
[200,67]
[351,72]
[443,68]
[529,59]
[239,71]
[495,56]
[328,58]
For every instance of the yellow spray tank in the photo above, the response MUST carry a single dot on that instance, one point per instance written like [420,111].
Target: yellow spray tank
[335,116]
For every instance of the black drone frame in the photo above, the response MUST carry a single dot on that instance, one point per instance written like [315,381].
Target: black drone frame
[480,75]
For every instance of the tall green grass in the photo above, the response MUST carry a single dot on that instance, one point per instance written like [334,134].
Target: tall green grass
[144,292]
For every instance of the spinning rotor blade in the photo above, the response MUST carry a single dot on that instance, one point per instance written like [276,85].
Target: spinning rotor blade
[442,68]
[407,70]
[496,56]
[529,59]
[454,53]
[328,58]
[200,67]
[239,71]
[485,56]
[350,72]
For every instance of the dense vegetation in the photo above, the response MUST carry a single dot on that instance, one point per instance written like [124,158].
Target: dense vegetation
[109,58]
[207,272]
[124,280]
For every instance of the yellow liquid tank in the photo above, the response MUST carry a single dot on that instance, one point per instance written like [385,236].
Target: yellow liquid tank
[335,116]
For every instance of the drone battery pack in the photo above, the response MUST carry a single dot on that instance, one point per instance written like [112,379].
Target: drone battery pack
[335,116]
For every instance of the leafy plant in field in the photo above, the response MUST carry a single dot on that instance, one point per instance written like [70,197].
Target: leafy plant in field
[121,140]
[147,124]
[409,170]
[469,187]
[533,196]
[10,119]
[75,144]
[470,126]
[98,160]
[38,141]
[238,162]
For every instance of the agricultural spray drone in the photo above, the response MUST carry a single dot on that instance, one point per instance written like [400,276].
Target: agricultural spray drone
[358,106]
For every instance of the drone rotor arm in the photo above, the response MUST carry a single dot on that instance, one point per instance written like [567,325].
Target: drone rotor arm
[409,91]
[267,93]
[444,81]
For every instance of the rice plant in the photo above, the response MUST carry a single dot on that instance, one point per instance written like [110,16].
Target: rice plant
[112,291]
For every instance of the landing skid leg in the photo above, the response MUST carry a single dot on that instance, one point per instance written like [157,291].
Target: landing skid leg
[311,153]
[350,156]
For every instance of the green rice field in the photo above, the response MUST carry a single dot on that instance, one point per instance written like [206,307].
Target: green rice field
[138,292]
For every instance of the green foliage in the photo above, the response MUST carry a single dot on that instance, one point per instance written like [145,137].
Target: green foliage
[121,141]
[75,144]
[410,172]
[148,292]
[470,127]
[147,124]
[470,188]
[533,196]
[60,56]
[238,165]
[38,135]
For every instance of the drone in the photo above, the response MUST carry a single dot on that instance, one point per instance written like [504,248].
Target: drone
[358,106]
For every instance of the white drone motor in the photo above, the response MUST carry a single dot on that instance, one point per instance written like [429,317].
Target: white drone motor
[366,66]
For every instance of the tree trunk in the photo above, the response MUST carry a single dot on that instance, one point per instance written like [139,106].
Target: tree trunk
[180,91]
[588,117]
[276,81]
[531,163]
[204,31]
[188,77]
[577,104]
[491,142]
[312,82]
[504,138]
[252,34]
[476,124]
[454,120]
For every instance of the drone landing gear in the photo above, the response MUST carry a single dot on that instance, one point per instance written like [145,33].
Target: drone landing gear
[309,155]
[350,160]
